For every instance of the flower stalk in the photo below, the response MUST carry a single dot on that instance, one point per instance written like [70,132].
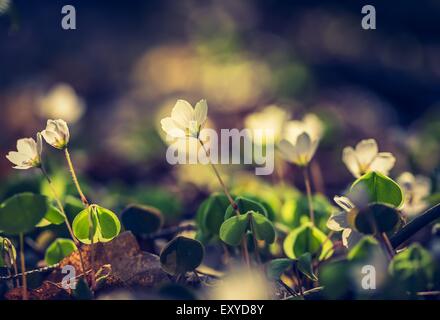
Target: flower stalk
[309,194]
[75,178]
[66,220]
[23,269]
[234,205]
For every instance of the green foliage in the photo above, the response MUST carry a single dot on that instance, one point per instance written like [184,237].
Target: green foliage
[263,227]
[8,253]
[364,249]
[142,220]
[235,228]
[336,278]
[72,207]
[22,212]
[181,255]
[276,267]
[307,238]
[296,208]
[414,268]
[96,223]
[58,250]
[378,188]
[211,213]
[376,218]
[305,265]
[53,216]
[245,205]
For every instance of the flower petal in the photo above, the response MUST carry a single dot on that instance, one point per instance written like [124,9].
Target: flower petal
[366,151]
[303,146]
[201,112]
[287,150]
[344,203]
[169,126]
[350,237]
[182,113]
[350,160]
[17,158]
[383,162]
[27,146]
[338,222]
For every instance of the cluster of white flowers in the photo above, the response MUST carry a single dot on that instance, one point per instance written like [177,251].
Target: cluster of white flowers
[28,154]
[296,140]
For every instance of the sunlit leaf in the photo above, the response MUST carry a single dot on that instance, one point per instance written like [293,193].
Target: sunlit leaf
[102,223]
[307,238]
[413,267]
[58,250]
[234,228]
[245,205]
[378,188]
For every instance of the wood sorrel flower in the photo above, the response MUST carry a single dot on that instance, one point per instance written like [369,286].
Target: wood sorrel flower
[298,150]
[28,154]
[415,189]
[300,140]
[56,133]
[366,157]
[339,222]
[270,118]
[185,121]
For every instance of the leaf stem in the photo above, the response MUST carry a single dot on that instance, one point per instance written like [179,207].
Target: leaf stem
[23,268]
[254,238]
[66,220]
[75,178]
[309,194]
[231,201]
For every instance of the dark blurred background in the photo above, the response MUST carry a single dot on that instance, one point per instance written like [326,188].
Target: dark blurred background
[128,61]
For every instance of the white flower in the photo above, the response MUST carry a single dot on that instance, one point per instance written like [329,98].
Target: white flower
[339,222]
[62,102]
[56,133]
[310,124]
[301,139]
[185,121]
[415,189]
[366,157]
[298,151]
[271,118]
[28,154]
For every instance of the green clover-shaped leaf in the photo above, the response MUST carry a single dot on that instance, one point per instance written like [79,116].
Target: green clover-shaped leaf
[307,238]
[181,255]
[22,212]
[245,205]
[58,250]
[96,223]
[141,220]
[378,188]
